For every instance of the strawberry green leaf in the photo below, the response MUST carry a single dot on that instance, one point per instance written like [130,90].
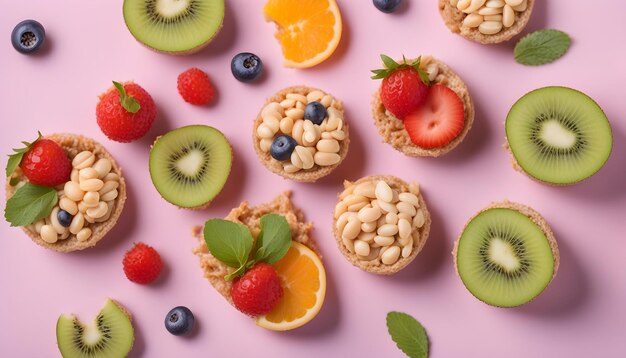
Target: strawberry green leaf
[30,203]
[408,334]
[389,62]
[16,158]
[229,242]
[274,239]
[128,102]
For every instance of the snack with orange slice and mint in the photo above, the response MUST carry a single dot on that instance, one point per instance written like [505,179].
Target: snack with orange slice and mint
[308,30]
[263,260]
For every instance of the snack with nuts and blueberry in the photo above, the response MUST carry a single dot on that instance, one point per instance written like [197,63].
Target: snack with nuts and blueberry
[64,190]
[301,134]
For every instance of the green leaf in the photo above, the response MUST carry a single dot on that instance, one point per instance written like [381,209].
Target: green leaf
[128,102]
[238,272]
[389,62]
[229,242]
[29,204]
[16,158]
[408,334]
[274,239]
[541,47]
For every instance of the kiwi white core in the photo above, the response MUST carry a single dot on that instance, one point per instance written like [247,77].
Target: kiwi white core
[190,163]
[171,8]
[556,135]
[501,253]
[92,334]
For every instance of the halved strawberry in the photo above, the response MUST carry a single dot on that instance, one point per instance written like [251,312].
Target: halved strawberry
[438,120]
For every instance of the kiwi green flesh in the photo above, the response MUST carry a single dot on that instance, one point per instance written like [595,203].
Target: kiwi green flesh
[504,258]
[111,334]
[190,165]
[558,135]
[175,26]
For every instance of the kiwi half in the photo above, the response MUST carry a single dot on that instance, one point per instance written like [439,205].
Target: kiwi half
[506,255]
[174,26]
[189,165]
[558,135]
[110,335]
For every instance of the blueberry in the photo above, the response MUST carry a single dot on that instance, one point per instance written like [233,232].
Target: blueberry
[246,66]
[179,321]
[386,6]
[28,36]
[64,218]
[282,147]
[315,112]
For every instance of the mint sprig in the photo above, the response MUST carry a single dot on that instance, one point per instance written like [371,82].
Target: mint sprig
[541,47]
[30,203]
[128,102]
[16,158]
[391,66]
[409,335]
[232,243]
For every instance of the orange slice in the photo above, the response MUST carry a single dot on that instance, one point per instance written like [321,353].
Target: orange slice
[304,286]
[308,30]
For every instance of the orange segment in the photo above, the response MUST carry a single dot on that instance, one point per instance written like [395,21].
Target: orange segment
[308,30]
[304,287]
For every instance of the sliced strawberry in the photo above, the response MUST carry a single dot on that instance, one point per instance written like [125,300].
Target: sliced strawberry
[438,120]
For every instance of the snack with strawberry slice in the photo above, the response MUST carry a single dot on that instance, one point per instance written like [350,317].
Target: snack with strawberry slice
[430,126]
[125,112]
[263,260]
[64,190]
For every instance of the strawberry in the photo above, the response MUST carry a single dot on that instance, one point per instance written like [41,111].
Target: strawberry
[142,264]
[257,291]
[43,162]
[195,87]
[438,121]
[404,86]
[125,113]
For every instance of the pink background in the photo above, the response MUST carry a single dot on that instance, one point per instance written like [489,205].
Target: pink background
[580,315]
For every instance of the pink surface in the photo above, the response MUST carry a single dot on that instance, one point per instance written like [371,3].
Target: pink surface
[580,315]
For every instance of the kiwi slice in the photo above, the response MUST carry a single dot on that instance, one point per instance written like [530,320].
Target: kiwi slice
[558,135]
[504,258]
[174,26]
[110,334]
[189,165]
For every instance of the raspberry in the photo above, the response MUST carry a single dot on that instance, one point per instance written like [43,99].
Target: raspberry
[46,163]
[257,291]
[195,87]
[142,264]
[117,122]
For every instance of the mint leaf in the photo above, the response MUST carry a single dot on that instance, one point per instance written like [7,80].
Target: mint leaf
[541,47]
[128,102]
[274,239]
[29,204]
[229,242]
[408,334]
[16,158]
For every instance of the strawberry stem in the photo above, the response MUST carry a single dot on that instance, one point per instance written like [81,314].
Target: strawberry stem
[129,103]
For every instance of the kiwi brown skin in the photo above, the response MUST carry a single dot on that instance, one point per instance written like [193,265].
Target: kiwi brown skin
[535,217]
[191,50]
[518,168]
